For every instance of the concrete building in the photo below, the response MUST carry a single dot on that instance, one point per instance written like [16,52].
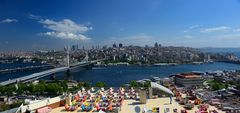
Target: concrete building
[188,79]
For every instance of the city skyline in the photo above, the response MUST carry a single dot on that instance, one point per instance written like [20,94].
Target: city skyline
[34,25]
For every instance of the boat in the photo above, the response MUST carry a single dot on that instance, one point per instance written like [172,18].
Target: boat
[197,63]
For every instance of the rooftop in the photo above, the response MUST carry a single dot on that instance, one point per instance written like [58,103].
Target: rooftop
[188,75]
[131,106]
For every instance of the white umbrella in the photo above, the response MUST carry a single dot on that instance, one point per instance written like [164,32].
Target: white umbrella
[93,89]
[83,89]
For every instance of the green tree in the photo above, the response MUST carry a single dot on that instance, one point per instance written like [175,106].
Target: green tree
[215,86]
[52,88]
[147,84]
[21,88]
[64,85]
[2,90]
[10,90]
[218,85]
[31,88]
[86,84]
[133,84]
[40,88]
[101,84]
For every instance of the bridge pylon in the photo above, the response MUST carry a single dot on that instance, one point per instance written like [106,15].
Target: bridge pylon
[68,64]
[86,57]
[66,48]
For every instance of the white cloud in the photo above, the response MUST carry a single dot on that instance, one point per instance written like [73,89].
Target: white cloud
[194,26]
[185,31]
[191,28]
[65,35]
[214,29]
[65,29]
[187,36]
[35,17]
[8,20]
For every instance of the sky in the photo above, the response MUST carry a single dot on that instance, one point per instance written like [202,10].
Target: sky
[51,24]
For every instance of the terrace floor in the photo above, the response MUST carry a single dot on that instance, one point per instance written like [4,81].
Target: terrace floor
[132,106]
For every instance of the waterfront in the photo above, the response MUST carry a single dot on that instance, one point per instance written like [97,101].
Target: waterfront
[118,75]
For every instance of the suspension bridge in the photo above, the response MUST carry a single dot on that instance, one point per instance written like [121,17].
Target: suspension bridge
[35,76]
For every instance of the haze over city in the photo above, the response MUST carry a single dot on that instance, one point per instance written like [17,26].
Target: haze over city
[34,25]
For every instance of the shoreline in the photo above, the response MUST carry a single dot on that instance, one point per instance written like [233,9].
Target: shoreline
[125,74]
[154,65]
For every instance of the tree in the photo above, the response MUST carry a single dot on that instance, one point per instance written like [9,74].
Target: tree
[52,88]
[40,88]
[133,84]
[2,90]
[21,88]
[31,88]
[218,86]
[215,87]
[64,86]
[101,84]
[86,84]
[10,90]
[147,84]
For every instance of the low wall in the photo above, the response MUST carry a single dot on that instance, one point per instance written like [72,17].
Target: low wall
[50,102]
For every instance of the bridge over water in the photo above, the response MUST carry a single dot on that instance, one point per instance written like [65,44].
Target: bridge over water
[38,75]
[19,69]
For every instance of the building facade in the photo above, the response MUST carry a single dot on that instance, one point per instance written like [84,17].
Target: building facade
[188,79]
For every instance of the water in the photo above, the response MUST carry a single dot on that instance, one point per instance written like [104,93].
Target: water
[18,64]
[7,76]
[237,54]
[118,75]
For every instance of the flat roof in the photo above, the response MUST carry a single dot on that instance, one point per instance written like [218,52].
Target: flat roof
[188,75]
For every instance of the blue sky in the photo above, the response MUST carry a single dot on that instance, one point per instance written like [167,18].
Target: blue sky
[50,24]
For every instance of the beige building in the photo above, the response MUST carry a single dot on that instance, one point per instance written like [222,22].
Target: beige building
[188,79]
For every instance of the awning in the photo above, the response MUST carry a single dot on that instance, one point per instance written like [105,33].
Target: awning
[160,87]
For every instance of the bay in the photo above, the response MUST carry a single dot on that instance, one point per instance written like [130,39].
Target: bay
[119,75]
